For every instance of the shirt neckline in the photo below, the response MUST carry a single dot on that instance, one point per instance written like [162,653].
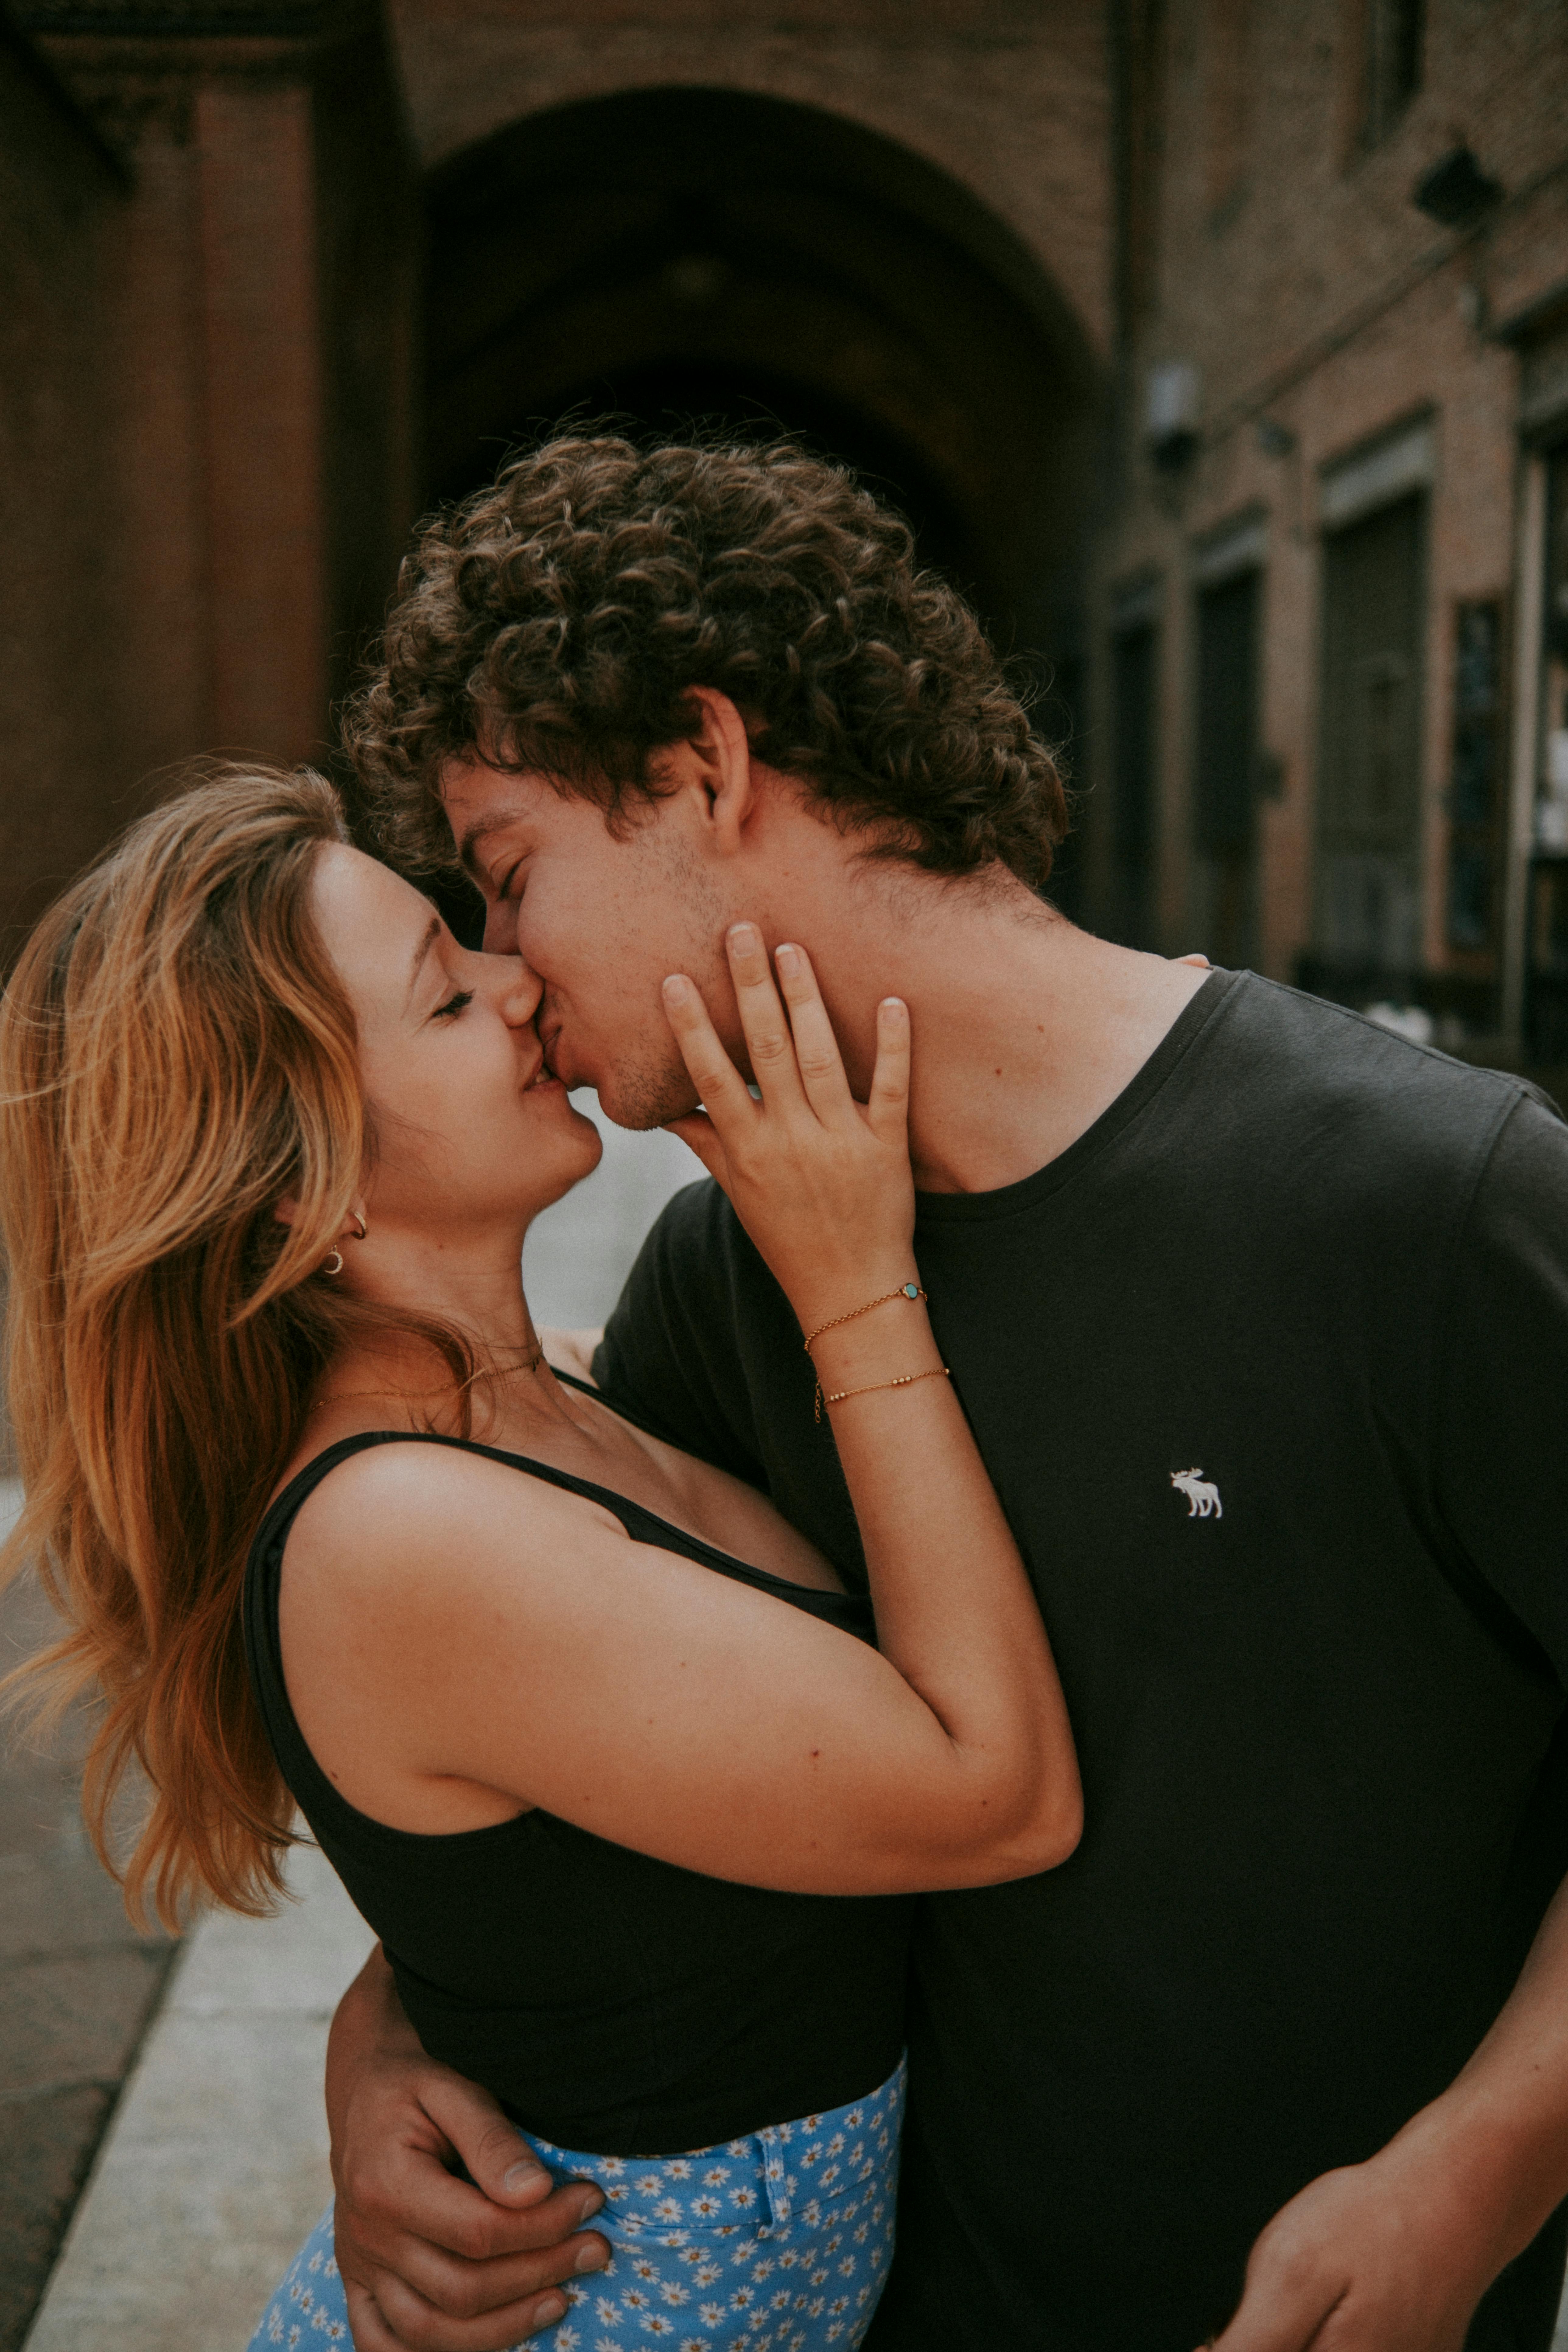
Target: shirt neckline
[1027,1191]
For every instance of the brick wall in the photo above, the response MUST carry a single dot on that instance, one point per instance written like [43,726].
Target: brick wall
[208,403]
[1012,98]
[63,200]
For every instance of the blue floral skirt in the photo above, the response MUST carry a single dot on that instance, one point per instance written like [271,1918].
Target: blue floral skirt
[777,2242]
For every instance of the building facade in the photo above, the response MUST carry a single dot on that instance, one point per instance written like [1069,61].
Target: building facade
[1330,604]
[1220,347]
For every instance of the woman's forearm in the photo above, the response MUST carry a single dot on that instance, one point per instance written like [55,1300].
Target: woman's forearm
[955,1612]
[823,1187]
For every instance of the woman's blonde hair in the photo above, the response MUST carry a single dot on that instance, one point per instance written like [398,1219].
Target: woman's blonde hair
[177,1053]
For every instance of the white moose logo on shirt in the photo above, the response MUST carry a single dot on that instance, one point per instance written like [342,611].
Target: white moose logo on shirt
[1202,1494]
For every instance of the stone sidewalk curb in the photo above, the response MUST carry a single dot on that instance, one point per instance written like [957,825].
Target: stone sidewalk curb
[215,2165]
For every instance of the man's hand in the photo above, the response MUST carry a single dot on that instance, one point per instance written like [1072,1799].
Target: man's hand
[1394,2254]
[430,2264]
[1361,2261]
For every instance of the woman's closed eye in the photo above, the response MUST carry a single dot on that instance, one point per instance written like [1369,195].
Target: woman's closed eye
[454,1005]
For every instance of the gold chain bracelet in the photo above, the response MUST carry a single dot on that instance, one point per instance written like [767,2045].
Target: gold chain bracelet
[938,1372]
[911,1290]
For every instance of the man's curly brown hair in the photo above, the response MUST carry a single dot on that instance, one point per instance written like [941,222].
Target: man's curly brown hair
[557,622]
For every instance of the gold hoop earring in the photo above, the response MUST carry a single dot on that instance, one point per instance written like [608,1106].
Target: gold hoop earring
[333,1265]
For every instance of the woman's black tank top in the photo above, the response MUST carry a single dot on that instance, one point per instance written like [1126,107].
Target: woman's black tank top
[610,2002]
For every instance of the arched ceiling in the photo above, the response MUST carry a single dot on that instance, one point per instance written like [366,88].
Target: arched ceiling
[688,252]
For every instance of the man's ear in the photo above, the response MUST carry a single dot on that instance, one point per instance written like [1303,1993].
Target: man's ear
[719,763]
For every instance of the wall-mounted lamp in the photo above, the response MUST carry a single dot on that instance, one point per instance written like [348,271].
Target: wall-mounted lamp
[1171,413]
[1454,190]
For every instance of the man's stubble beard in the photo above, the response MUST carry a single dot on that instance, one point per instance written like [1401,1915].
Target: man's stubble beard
[647,1094]
[650,1088]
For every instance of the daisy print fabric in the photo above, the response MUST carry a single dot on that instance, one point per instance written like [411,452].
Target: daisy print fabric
[777,2242]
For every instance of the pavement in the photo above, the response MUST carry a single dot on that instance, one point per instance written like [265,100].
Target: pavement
[76,1983]
[202,2059]
[215,2165]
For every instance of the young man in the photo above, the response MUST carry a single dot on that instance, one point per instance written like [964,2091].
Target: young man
[1261,1317]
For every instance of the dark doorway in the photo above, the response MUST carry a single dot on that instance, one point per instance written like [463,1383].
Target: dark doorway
[1225,785]
[672,400]
[679,256]
[1369,804]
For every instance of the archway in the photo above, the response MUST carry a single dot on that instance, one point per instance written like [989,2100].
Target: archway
[696,254]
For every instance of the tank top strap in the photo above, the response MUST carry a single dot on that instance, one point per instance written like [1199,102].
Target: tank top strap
[851,1612]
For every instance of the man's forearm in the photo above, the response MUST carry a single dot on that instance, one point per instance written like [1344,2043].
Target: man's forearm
[446,2222]
[1500,2131]
[1399,2251]
[369,2020]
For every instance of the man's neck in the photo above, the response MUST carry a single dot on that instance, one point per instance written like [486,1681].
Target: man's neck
[1026,1029]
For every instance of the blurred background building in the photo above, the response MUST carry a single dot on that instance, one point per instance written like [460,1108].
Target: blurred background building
[1330,591]
[1219,346]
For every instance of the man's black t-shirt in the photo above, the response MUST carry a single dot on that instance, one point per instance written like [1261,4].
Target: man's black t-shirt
[1270,1371]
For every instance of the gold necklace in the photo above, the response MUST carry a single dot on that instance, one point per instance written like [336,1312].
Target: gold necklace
[362,1396]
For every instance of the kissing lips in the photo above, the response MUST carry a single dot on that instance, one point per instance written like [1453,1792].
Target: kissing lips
[544,1076]
[548,1040]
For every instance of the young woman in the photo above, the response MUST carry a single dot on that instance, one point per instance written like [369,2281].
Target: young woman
[598,1743]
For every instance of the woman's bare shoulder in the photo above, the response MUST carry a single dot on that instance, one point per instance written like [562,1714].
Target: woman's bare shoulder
[408,1508]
